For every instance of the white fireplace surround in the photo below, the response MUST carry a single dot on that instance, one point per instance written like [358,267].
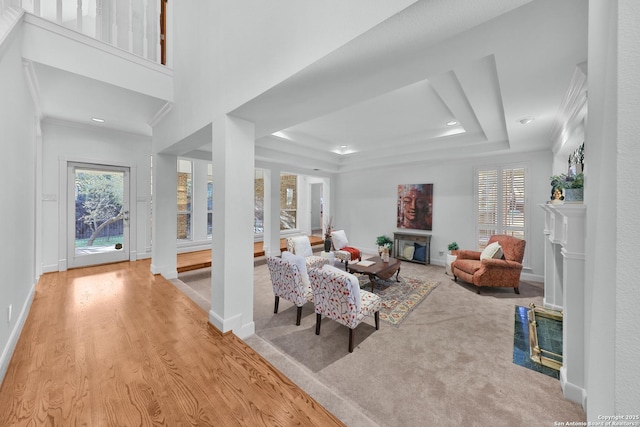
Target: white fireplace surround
[564,280]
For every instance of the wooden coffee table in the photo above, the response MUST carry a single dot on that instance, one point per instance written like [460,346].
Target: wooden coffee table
[381,269]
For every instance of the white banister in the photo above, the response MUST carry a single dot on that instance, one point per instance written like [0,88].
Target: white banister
[79,16]
[132,25]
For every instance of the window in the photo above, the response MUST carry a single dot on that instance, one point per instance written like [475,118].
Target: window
[185,192]
[209,199]
[288,201]
[258,202]
[501,203]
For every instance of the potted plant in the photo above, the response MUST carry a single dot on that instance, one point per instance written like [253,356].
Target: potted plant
[572,186]
[453,248]
[384,242]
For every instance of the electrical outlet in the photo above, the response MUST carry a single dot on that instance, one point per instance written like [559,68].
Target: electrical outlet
[9,312]
[441,253]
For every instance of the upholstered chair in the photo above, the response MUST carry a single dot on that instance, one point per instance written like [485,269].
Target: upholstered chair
[342,250]
[290,281]
[300,245]
[337,295]
[499,264]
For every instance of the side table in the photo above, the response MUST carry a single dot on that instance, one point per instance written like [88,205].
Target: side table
[450,259]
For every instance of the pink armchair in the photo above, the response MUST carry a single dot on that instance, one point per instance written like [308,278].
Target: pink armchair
[503,271]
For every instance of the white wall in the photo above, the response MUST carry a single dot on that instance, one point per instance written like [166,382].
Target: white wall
[17,215]
[228,52]
[612,294]
[72,142]
[366,204]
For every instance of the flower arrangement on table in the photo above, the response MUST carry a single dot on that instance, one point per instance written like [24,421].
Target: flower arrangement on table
[384,242]
[328,228]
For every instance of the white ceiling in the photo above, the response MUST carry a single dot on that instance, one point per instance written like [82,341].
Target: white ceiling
[71,97]
[389,93]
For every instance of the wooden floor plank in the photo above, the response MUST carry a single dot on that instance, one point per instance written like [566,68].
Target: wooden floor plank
[116,345]
[201,259]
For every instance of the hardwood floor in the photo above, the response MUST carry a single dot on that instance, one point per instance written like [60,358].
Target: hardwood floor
[201,259]
[116,345]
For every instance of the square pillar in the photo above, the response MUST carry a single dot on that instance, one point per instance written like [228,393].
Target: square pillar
[165,211]
[232,241]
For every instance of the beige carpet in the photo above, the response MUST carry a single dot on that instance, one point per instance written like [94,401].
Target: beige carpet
[449,363]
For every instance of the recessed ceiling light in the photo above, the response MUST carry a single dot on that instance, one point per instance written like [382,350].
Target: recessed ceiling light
[452,123]
[525,120]
[97,119]
[343,146]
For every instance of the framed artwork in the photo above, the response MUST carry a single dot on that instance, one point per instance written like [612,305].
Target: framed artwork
[415,206]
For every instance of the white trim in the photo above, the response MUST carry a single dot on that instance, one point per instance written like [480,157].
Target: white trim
[7,351]
[96,44]
[232,324]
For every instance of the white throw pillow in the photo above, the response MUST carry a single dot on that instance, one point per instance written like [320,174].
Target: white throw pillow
[298,261]
[493,250]
[408,251]
[302,246]
[353,281]
[339,239]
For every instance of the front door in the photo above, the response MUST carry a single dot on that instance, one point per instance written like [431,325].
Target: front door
[98,214]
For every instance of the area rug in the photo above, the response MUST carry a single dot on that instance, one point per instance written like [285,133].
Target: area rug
[398,298]
[521,350]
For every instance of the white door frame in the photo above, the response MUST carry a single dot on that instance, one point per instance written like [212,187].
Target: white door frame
[64,210]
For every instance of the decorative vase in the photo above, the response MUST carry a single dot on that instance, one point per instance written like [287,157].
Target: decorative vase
[327,244]
[573,194]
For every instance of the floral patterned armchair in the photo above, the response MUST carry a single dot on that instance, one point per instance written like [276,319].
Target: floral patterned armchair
[492,267]
[288,281]
[337,295]
[300,245]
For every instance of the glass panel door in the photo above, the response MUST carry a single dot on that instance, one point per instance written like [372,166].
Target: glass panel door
[98,214]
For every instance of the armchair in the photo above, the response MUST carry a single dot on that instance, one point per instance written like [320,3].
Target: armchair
[489,268]
[290,281]
[342,250]
[337,295]
[300,245]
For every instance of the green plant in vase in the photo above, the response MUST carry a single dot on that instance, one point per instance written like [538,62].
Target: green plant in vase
[453,246]
[384,242]
[572,185]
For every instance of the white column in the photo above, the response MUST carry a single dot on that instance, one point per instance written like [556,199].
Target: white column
[552,263]
[572,372]
[272,220]
[232,242]
[165,211]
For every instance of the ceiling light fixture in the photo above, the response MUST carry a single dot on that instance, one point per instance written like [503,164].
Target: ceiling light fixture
[525,120]
[452,123]
[343,146]
[97,120]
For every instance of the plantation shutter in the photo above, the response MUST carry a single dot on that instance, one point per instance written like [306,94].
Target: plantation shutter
[500,203]
[487,196]
[513,202]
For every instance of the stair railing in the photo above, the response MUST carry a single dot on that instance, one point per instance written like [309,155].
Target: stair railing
[131,25]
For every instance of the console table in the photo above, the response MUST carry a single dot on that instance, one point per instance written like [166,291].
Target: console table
[401,238]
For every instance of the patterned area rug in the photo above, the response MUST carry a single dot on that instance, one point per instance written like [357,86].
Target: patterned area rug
[398,298]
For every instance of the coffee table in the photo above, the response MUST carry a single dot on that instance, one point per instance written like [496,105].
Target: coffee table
[381,269]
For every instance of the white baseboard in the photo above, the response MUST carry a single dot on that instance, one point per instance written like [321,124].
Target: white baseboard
[571,391]
[7,351]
